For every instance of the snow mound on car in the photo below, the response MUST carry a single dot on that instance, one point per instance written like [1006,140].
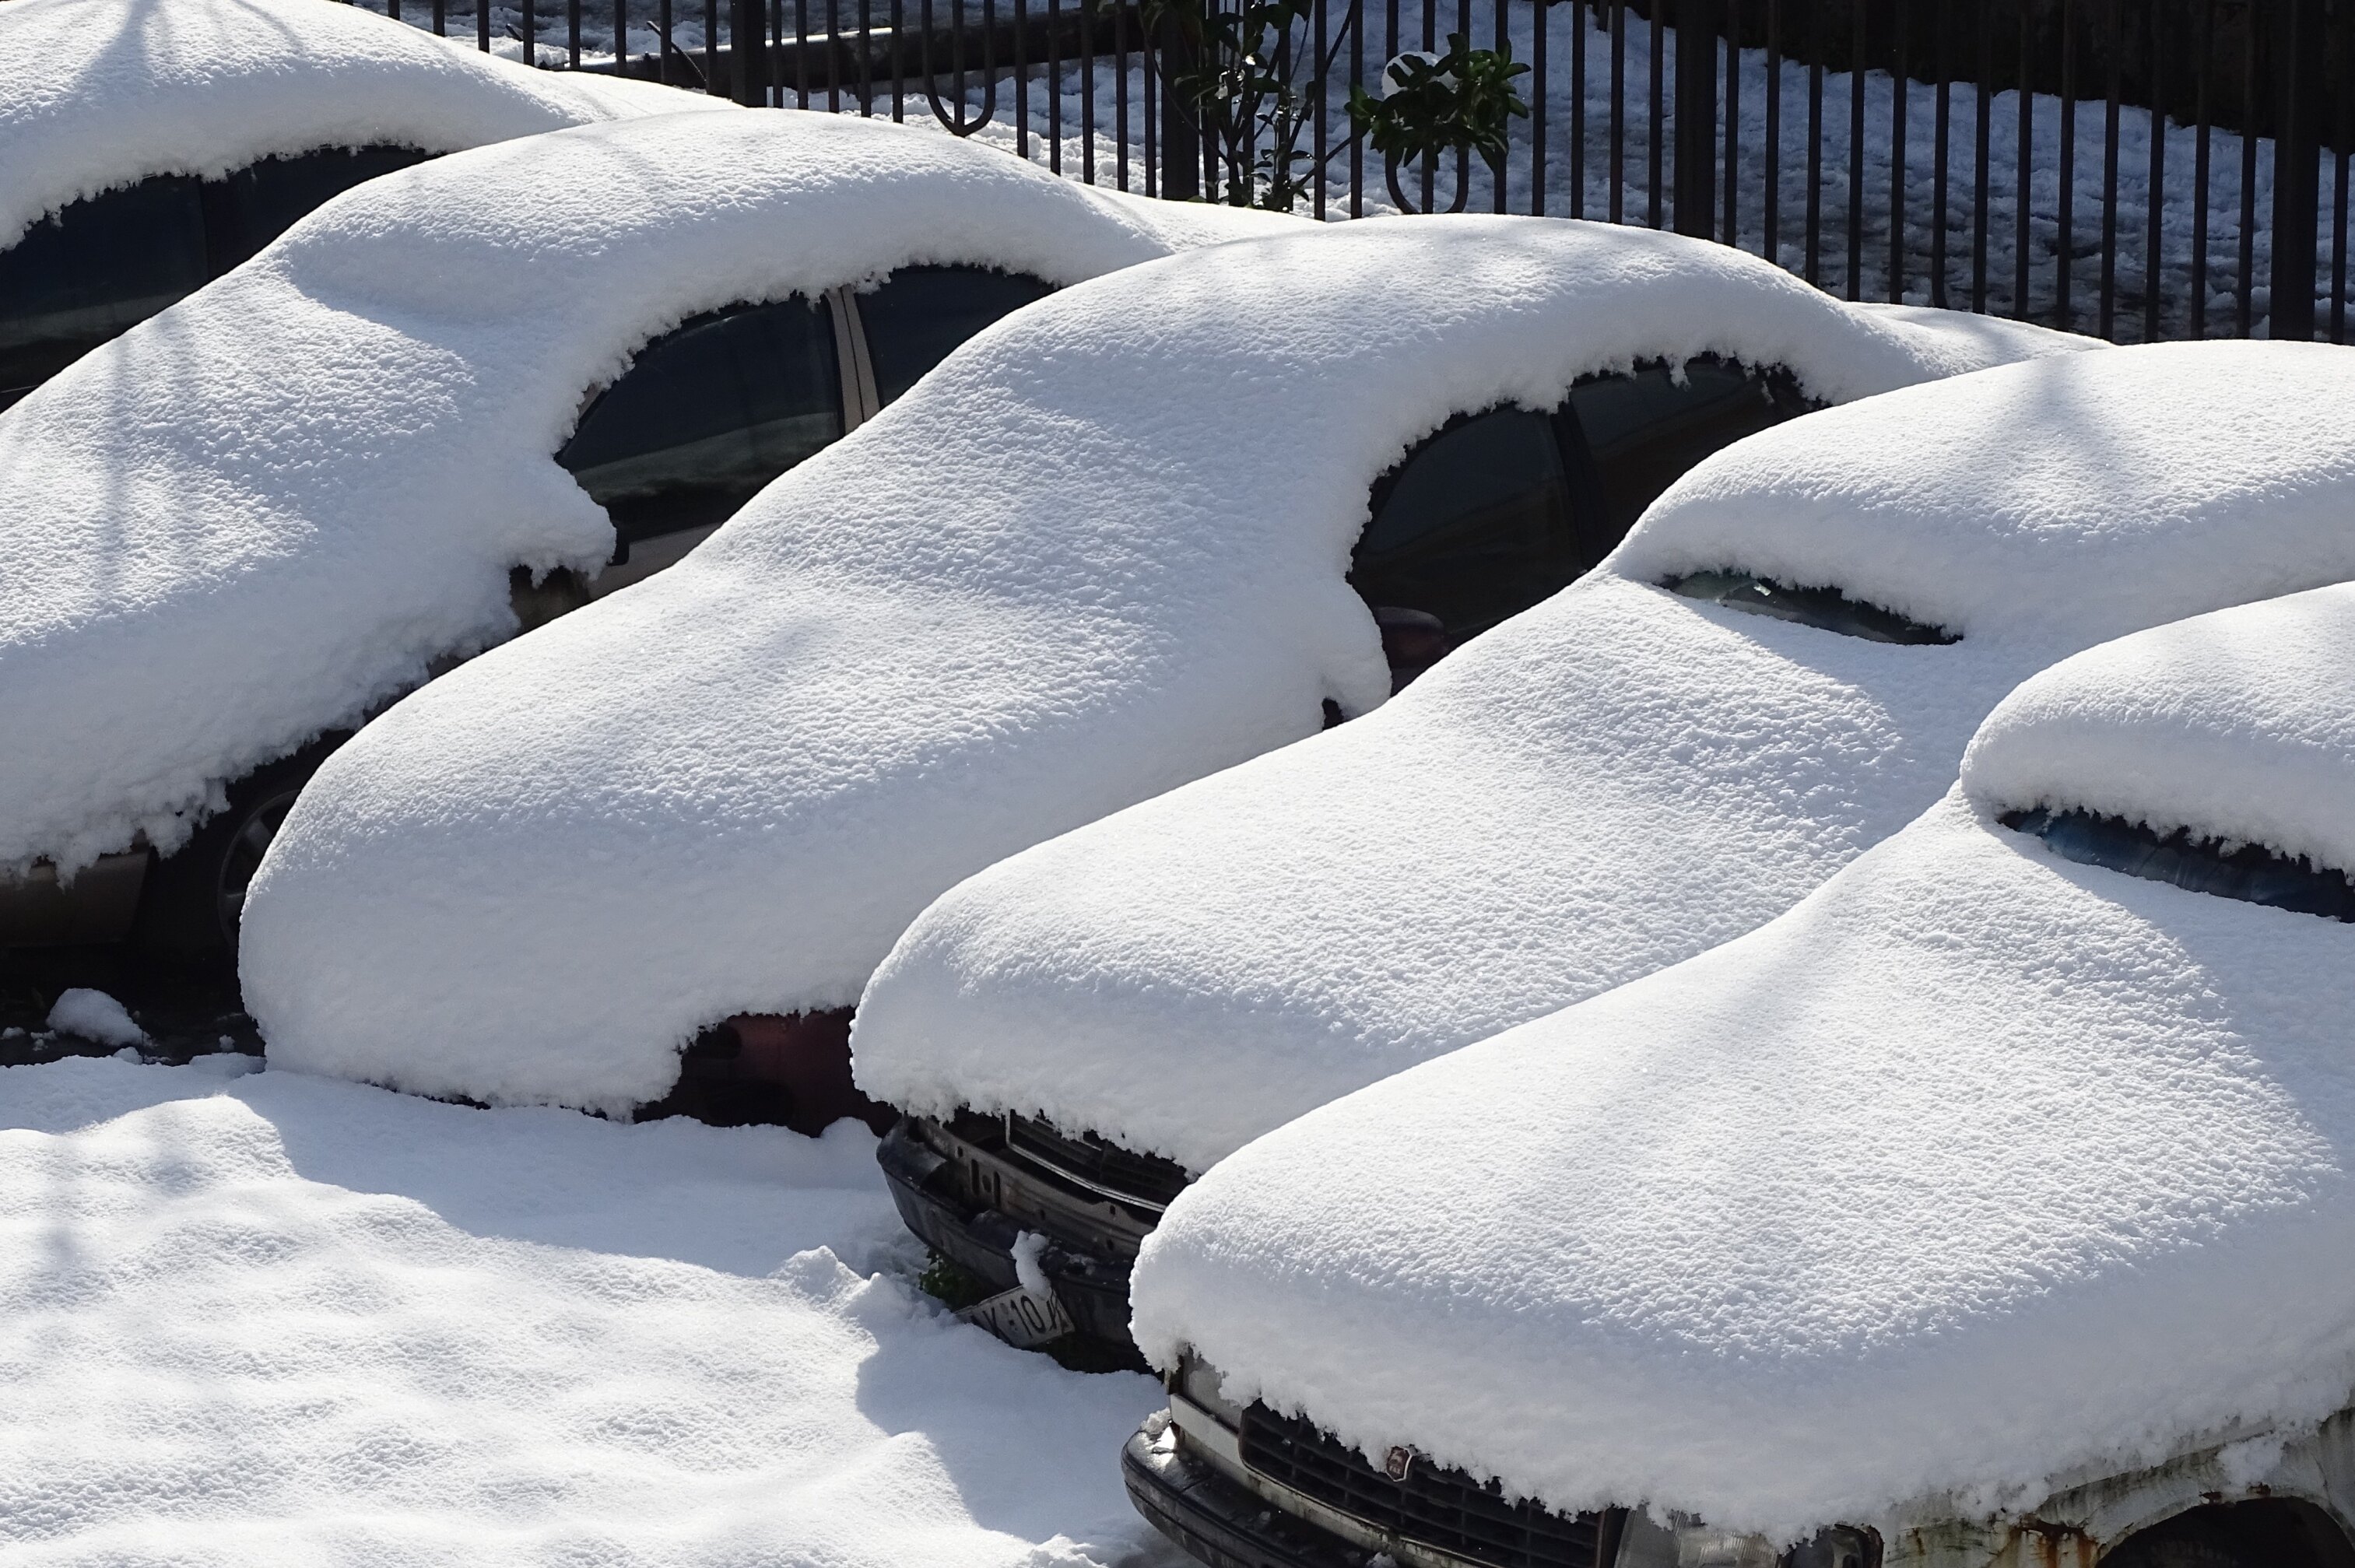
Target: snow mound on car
[1619,778]
[266,510]
[1101,551]
[100,93]
[280,1322]
[2169,729]
[1976,1168]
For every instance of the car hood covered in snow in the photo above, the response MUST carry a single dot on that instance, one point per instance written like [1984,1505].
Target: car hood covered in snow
[1977,1167]
[100,93]
[1099,552]
[265,511]
[1621,777]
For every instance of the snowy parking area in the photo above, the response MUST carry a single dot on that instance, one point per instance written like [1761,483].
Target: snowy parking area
[271,1319]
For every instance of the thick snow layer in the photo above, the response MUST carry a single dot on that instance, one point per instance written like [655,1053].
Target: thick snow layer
[266,510]
[100,94]
[1098,552]
[1620,778]
[94,1014]
[1956,1177]
[282,1320]
[2169,729]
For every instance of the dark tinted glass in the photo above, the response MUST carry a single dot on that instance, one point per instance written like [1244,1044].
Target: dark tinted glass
[93,270]
[1475,526]
[919,314]
[2250,873]
[708,415]
[1827,608]
[1645,430]
[259,203]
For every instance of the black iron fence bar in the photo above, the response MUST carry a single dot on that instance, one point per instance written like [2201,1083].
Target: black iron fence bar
[1942,118]
[2276,72]
[1897,171]
[1982,140]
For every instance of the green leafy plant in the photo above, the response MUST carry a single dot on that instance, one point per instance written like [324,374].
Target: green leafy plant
[1237,72]
[1462,102]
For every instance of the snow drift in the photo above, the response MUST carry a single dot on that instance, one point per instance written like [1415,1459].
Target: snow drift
[1098,552]
[1619,778]
[271,1321]
[266,510]
[1958,1174]
[100,93]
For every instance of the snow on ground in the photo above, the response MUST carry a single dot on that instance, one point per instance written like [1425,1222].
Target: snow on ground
[1619,778]
[268,510]
[1053,111]
[94,1014]
[1067,572]
[1960,1175]
[100,93]
[278,1319]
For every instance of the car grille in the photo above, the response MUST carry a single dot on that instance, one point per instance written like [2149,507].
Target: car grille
[1447,1510]
[1093,1163]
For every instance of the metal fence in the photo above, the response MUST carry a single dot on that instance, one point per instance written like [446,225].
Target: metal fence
[2136,169]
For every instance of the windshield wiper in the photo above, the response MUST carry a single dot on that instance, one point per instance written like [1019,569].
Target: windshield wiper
[1827,609]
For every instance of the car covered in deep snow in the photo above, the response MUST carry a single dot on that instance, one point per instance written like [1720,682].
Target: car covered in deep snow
[1118,541]
[460,400]
[147,148]
[1780,668]
[1991,1206]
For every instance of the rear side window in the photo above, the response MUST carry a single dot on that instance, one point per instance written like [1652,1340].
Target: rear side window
[2249,872]
[1477,525]
[1647,428]
[708,415]
[918,315]
[93,270]
[259,203]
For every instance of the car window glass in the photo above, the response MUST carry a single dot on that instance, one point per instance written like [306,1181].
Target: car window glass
[87,272]
[918,315]
[708,415]
[1645,428]
[1827,609]
[262,201]
[2249,871]
[1476,526]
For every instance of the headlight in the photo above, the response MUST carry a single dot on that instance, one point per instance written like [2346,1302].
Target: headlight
[1199,1380]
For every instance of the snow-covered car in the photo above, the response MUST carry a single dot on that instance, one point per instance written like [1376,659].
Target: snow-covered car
[146,148]
[1779,668]
[465,398]
[1106,548]
[1990,1207]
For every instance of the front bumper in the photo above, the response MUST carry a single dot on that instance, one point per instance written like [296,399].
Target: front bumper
[1216,1521]
[980,1239]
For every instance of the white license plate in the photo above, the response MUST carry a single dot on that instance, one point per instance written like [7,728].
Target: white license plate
[1020,1318]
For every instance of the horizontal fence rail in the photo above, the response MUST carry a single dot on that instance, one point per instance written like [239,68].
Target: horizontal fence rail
[2139,169]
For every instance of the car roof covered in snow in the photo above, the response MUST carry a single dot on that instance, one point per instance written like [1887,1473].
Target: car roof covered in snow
[1621,777]
[1979,1169]
[95,94]
[264,512]
[1100,552]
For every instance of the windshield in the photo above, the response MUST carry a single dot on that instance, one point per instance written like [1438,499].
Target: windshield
[1826,608]
[2249,872]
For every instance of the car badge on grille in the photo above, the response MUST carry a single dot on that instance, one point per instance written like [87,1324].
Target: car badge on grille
[1398,1463]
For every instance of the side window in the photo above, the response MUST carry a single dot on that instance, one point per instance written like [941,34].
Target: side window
[263,200]
[1477,523]
[1644,429]
[916,316]
[93,270]
[708,415]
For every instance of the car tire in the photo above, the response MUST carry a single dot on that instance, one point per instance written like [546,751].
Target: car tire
[189,908]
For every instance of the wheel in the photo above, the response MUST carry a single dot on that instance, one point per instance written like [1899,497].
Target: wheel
[193,899]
